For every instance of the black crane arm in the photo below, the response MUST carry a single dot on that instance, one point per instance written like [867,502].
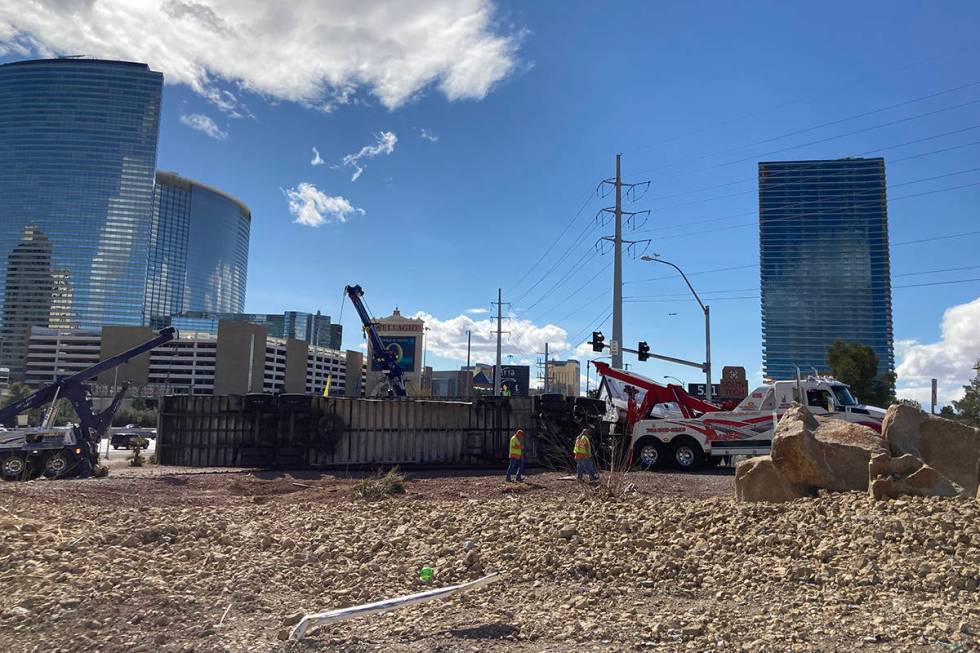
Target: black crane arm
[384,357]
[71,388]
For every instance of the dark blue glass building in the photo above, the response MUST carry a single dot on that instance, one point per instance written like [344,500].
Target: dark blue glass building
[198,249]
[78,145]
[823,232]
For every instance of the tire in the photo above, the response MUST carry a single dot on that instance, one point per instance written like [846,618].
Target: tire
[648,453]
[686,454]
[13,467]
[56,465]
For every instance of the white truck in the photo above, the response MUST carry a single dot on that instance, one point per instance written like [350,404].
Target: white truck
[673,426]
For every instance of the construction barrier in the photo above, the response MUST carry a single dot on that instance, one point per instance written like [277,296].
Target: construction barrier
[301,431]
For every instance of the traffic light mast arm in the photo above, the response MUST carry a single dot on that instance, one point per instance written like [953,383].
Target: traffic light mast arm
[670,359]
[598,343]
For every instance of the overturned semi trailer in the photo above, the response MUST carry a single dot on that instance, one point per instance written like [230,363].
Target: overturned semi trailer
[300,431]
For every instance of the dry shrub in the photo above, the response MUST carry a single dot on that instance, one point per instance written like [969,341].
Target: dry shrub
[615,482]
[380,486]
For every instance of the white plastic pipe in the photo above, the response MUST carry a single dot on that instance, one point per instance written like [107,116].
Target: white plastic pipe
[299,630]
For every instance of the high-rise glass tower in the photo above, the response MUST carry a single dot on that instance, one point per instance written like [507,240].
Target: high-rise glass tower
[198,249]
[823,232]
[78,146]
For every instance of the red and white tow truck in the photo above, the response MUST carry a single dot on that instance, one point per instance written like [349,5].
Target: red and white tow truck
[668,424]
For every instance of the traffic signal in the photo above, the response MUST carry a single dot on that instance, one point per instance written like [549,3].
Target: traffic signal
[643,351]
[597,341]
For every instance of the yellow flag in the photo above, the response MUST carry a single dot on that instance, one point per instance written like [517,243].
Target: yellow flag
[326,386]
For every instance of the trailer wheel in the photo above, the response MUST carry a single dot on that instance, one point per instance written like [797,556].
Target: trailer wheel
[649,453]
[686,454]
[56,465]
[13,467]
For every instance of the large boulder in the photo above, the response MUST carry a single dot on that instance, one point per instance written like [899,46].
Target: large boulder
[906,475]
[757,479]
[829,454]
[951,448]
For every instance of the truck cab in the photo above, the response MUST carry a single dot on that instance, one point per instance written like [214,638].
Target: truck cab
[748,429]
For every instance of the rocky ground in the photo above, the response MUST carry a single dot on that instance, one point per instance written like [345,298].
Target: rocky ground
[153,560]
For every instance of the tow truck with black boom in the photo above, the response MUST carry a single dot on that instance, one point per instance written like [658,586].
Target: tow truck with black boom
[58,452]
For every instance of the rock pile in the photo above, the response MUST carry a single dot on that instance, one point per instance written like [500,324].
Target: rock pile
[809,455]
[916,455]
[647,573]
[947,453]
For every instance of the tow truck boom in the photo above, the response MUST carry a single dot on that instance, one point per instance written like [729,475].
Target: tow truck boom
[60,451]
[382,356]
[71,388]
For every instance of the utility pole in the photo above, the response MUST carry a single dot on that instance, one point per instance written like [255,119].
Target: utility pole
[617,240]
[496,368]
[545,368]
[617,312]
[469,342]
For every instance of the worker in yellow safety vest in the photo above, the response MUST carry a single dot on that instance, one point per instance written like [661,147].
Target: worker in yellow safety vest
[516,456]
[583,456]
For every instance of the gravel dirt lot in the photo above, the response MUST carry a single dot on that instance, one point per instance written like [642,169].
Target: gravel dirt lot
[170,559]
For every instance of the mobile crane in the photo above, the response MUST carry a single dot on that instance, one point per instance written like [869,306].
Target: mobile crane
[384,357]
[56,452]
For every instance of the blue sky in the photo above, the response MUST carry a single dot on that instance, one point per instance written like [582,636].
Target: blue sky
[524,106]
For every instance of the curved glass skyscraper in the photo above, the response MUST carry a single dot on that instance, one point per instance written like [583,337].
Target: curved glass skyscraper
[78,145]
[823,235]
[198,249]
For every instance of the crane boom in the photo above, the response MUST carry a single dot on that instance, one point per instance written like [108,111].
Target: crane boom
[381,355]
[71,388]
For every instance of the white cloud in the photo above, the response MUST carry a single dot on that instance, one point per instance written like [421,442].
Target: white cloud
[312,207]
[950,360]
[309,51]
[317,159]
[384,144]
[477,311]
[428,135]
[447,338]
[203,123]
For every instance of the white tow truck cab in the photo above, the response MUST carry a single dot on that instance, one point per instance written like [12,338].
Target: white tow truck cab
[689,442]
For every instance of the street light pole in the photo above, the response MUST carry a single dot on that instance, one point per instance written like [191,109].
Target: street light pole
[679,382]
[707,322]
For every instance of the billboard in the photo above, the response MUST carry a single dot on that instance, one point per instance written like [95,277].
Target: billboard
[404,349]
[516,378]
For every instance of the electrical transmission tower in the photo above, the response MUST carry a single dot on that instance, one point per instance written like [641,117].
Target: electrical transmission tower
[616,344]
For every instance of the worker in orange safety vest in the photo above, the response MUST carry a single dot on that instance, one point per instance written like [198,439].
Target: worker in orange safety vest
[583,456]
[516,456]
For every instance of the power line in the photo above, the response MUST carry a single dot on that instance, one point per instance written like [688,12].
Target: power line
[582,287]
[691,299]
[691,274]
[820,95]
[796,178]
[829,138]
[557,240]
[577,340]
[937,283]
[873,192]
[913,274]
[829,212]
[588,229]
[928,240]
[859,154]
